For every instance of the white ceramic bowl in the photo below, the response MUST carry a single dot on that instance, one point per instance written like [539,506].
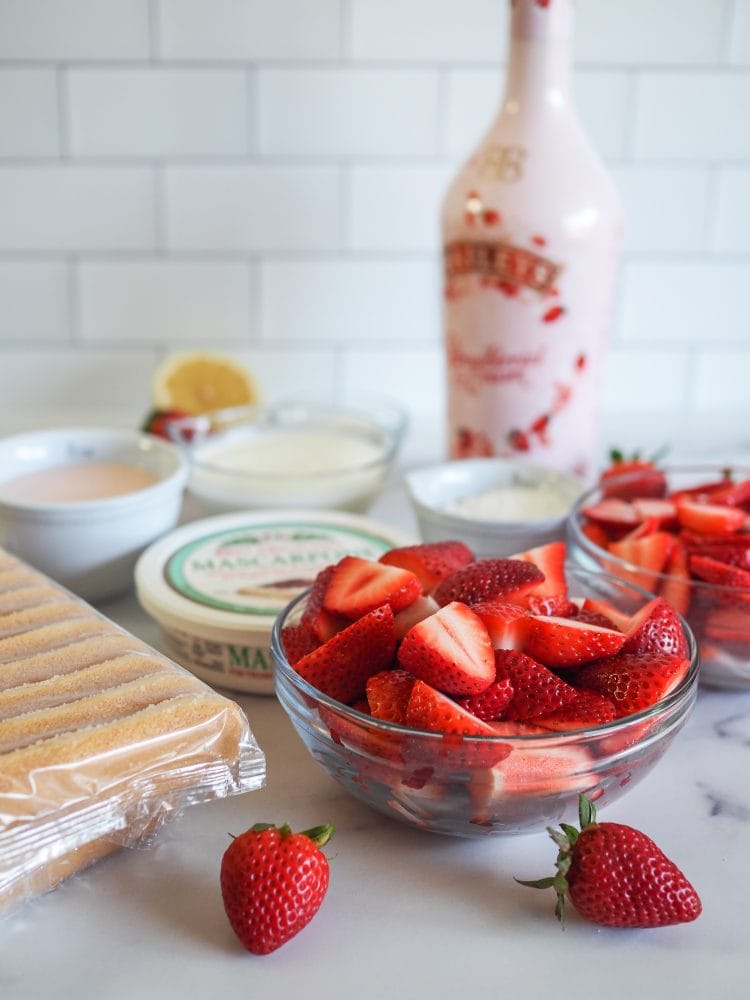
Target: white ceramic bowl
[89,546]
[438,492]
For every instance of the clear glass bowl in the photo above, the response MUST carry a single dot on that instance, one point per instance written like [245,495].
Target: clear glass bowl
[718,615]
[426,781]
[290,455]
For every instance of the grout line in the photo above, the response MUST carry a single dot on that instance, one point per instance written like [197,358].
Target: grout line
[62,80]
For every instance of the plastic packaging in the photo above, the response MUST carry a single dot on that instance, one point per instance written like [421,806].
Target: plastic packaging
[101,737]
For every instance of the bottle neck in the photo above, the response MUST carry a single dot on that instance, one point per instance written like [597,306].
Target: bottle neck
[539,57]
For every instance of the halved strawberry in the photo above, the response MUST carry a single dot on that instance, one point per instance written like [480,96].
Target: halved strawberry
[491,703]
[734,555]
[417,611]
[663,510]
[634,681]
[567,642]
[451,650]
[388,695]
[612,512]
[430,562]
[650,554]
[618,619]
[692,540]
[550,559]
[357,586]
[676,588]
[655,628]
[714,571]
[727,625]
[733,494]
[648,526]
[433,711]
[536,690]
[502,621]
[298,641]
[595,533]
[530,771]
[341,666]
[633,477]
[709,517]
[588,708]
[591,617]
[314,615]
[485,579]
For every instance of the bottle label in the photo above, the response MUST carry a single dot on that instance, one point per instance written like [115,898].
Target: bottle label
[502,262]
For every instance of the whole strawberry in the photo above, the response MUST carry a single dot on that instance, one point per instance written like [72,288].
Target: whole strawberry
[273,882]
[617,876]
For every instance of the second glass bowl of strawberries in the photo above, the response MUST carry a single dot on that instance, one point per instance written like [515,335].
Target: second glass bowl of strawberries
[430,707]
[682,532]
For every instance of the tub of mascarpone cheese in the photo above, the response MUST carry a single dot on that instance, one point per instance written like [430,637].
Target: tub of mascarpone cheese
[216,585]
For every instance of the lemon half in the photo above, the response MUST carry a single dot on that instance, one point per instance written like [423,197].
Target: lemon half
[201,381]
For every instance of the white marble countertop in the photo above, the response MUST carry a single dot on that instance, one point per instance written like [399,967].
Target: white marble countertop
[409,914]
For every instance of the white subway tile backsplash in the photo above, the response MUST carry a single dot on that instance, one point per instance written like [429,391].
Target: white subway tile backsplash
[75,29]
[283,374]
[721,383]
[345,112]
[693,116]
[350,301]
[689,303]
[396,208]
[256,208]
[732,233]
[739,53]
[29,123]
[157,112]
[641,32]
[409,30]
[160,301]
[35,302]
[666,208]
[250,29]
[76,208]
[638,381]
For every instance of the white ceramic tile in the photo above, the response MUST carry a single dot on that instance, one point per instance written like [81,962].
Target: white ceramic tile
[100,382]
[732,233]
[28,113]
[474,96]
[250,29]
[164,301]
[76,208]
[644,380]
[428,29]
[693,116]
[642,32]
[292,373]
[740,34]
[665,207]
[692,302]
[75,29]
[345,112]
[396,207]
[349,301]
[157,112]
[721,385]
[252,208]
[35,304]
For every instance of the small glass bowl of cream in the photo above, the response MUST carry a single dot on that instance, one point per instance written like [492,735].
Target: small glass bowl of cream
[315,456]
[496,506]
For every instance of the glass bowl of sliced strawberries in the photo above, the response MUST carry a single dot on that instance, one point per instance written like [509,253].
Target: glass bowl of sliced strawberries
[682,533]
[473,697]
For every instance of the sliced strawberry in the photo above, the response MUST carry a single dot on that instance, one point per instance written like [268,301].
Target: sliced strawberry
[733,494]
[323,624]
[550,559]
[359,585]
[417,611]
[502,621]
[298,641]
[489,704]
[734,555]
[555,604]
[662,510]
[618,619]
[702,492]
[595,533]
[695,539]
[451,650]
[721,573]
[485,579]
[655,628]
[536,690]
[709,517]
[530,771]
[650,554]
[612,512]
[649,526]
[634,681]
[591,617]
[632,478]
[676,588]
[588,708]
[378,746]
[435,712]
[388,695]
[431,562]
[340,667]
[567,642]
[727,625]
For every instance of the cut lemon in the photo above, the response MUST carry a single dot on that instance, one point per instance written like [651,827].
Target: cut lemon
[200,381]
